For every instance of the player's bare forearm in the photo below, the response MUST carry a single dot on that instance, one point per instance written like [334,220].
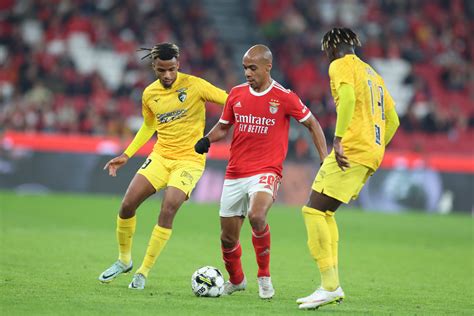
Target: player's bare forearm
[218,132]
[318,136]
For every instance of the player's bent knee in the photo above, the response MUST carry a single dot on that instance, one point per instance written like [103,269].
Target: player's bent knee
[172,203]
[127,209]
[228,241]
[258,221]
[168,211]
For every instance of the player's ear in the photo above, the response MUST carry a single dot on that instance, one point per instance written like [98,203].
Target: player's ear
[331,53]
[269,67]
[177,64]
[327,52]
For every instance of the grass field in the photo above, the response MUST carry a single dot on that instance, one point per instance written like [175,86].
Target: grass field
[54,247]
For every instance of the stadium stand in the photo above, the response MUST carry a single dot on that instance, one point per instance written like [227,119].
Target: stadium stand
[423,49]
[72,67]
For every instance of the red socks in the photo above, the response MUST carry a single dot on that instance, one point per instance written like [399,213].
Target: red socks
[233,264]
[261,243]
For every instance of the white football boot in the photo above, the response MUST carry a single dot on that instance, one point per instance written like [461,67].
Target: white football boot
[114,271]
[265,287]
[138,282]
[321,297]
[230,288]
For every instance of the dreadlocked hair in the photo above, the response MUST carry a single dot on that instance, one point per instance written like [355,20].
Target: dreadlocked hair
[337,36]
[163,51]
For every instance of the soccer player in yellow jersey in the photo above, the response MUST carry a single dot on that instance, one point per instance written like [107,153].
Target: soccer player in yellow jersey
[366,122]
[174,107]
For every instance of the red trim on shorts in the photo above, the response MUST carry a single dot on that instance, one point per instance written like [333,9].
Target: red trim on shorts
[276,185]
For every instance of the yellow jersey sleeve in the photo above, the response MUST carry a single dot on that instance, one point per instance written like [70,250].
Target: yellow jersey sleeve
[389,102]
[340,72]
[345,110]
[145,132]
[148,116]
[211,93]
[391,125]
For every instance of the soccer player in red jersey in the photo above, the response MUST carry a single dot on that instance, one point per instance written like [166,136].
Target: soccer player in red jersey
[260,111]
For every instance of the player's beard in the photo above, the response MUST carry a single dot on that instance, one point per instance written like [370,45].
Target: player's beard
[167,85]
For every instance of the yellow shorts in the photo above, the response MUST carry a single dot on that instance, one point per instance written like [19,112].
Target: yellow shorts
[338,184]
[163,172]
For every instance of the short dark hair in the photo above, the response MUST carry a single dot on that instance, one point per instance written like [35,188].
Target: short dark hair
[338,36]
[163,51]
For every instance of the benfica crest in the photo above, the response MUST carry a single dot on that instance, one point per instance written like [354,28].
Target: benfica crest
[274,104]
[182,94]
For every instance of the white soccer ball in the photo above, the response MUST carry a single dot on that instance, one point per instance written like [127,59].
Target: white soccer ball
[207,281]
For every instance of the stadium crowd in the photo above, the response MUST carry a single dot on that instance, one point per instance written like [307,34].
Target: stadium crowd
[73,67]
[433,37]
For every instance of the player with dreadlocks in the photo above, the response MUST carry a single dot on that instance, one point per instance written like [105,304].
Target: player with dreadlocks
[173,106]
[366,122]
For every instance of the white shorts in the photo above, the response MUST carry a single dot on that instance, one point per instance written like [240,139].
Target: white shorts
[237,192]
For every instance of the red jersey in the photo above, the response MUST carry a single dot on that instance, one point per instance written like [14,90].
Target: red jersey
[261,124]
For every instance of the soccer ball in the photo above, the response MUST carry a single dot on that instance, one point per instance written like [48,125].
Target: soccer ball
[207,281]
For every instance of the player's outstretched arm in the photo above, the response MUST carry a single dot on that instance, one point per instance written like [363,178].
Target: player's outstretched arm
[218,132]
[317,135]
[212,93]
[145,132]
[143,135]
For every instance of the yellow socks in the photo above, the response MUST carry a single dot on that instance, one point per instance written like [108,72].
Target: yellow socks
[319,243]
[157,242]
[125,231]
[334,232]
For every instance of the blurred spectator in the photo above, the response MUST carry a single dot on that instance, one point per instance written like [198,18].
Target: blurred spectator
[72,66]
[433,36]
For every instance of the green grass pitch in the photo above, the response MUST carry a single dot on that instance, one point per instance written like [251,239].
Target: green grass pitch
[53,248]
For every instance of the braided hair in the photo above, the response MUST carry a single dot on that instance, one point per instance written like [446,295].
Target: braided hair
[338,36]
[163,51]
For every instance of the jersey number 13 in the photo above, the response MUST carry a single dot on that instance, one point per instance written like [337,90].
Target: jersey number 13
[380,105]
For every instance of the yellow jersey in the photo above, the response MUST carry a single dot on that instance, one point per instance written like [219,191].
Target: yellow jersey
[363,141]
[178,114]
